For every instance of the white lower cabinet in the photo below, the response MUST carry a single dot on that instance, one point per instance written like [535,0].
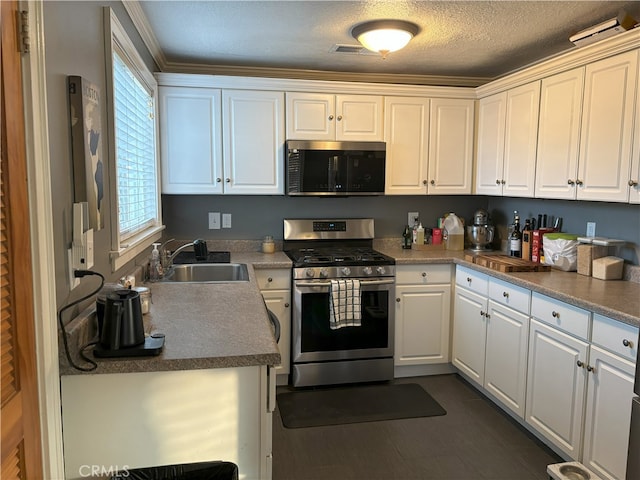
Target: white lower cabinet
[423,307]
[555,386]
[490,336]
[275,287]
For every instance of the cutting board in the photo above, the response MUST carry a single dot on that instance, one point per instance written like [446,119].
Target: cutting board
[504,263]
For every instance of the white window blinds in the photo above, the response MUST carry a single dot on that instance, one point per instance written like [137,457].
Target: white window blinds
[135,144]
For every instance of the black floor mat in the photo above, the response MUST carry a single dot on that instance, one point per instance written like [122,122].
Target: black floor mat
[354,404]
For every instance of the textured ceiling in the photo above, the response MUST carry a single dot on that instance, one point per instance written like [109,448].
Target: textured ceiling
[457,38]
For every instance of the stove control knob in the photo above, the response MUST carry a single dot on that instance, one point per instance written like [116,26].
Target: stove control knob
[381,270]
[346,271]
[367,270]
[310,272]
[324,273]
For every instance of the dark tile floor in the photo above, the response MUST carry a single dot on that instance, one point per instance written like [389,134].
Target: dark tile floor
[474,441]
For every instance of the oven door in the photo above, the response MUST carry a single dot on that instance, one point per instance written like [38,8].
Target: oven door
[314,341]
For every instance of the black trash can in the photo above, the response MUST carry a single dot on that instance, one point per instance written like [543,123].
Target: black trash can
[190,471]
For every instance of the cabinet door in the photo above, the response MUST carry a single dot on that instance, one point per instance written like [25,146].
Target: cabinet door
[422,324]
[190,140]
[505,373]
[469,334]
[559,135]
[608,414]
[359,117]
[310,116]
[450,146]
[490,156]
[406,128]
[253,125]
[555,386]
[279,302]
[520,141]
[634,177]
[607,127]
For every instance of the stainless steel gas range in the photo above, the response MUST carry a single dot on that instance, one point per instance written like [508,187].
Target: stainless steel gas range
[326,253]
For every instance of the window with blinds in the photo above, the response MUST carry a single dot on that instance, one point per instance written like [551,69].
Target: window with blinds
[136,216]
[135,152]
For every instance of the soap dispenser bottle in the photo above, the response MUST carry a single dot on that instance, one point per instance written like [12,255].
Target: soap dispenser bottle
[155,267]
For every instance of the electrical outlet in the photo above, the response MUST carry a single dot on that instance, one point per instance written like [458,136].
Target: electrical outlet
[73,281]
[214,220]
[226,220]
[591,229]
[411,218]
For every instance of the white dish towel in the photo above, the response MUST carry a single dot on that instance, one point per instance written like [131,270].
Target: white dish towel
[344,304]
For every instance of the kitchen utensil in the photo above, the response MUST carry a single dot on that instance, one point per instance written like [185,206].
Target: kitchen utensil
[123,326]
[481,233]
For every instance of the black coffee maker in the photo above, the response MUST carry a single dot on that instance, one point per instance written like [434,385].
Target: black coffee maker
[122,332]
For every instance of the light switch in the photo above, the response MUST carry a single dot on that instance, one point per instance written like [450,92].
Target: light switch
[214,220]
[226,220]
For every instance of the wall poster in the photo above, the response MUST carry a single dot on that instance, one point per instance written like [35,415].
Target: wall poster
[86,147]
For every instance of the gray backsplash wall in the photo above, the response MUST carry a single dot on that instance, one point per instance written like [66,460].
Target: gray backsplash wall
[186,216]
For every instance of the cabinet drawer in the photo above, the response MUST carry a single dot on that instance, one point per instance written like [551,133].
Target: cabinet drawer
[472,280]
[510,295]
[276,279]
[561,315]
[617,337]
[423,274]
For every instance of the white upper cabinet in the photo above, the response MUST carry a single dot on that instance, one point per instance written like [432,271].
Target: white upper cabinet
[450,146]
[253,142]
[190,140]
[216,141]
[559,134]
[406,133]
[319,116]
[429,145]
[507,140]
[490,155]
[607,126]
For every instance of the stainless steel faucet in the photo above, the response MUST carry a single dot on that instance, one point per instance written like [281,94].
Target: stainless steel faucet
[199,247]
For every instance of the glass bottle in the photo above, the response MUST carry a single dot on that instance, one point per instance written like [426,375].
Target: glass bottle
[515,238]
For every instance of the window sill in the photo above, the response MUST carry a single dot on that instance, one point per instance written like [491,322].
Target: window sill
[136,245]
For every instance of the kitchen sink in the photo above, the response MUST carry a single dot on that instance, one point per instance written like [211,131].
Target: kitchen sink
[208,273]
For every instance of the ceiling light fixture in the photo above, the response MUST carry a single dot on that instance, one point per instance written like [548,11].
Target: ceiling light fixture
[384,36]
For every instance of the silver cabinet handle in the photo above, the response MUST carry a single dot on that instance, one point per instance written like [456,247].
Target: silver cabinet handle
[503,182]
[497,181]
[469,280]
[424,182]
[269,279]
[398,299]
[591,369]
[286,305]
[228,180]
[505,294]
[555,314]
[339,117]
[330,117]
[424,274]
[218,180]
[432,182]
[483,314]
[633,183]
[627,343]
[570,182]
[580,364]
[579,182]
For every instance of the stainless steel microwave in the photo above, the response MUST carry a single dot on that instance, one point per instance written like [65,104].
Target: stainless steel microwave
[335,168]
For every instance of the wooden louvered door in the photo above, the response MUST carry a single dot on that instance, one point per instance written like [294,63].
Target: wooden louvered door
[20,442]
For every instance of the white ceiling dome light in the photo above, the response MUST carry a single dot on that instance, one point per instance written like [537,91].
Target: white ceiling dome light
[384,36]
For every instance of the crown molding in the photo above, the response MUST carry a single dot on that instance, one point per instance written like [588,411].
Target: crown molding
[313,86]
[563,62]
[141,23]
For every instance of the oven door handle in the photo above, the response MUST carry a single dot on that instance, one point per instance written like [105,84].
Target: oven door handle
[363,283]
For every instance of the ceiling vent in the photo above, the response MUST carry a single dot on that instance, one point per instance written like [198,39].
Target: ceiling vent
[351,49]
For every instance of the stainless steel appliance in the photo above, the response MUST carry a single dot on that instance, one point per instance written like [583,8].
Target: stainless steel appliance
[329,249]
[480,234]
[335,168]
[633,453]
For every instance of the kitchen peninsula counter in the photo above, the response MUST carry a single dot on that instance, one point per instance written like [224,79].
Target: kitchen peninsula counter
[215,325]
[618,299]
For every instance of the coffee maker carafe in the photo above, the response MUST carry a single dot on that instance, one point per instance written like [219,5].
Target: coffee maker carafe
[122,325]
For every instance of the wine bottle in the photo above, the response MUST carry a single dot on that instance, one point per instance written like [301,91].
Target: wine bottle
[515,238]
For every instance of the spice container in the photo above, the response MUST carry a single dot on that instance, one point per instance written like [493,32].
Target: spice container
[145,298]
